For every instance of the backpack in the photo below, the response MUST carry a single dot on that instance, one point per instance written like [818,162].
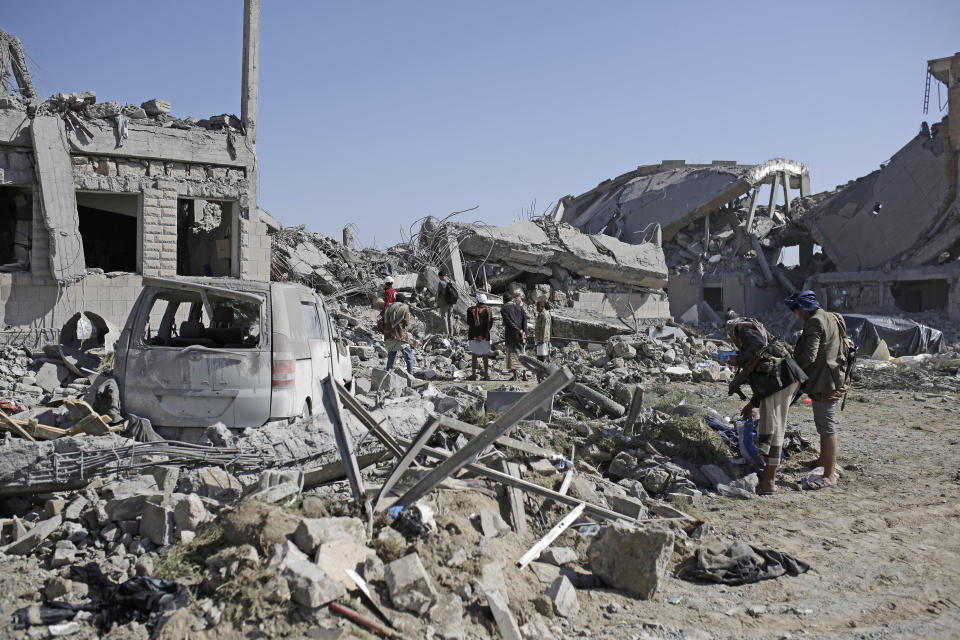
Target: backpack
[848,350]
[450,295]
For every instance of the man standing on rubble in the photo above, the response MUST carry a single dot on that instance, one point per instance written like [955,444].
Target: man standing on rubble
[447,297]
[541,333]
[395,323]
[764,362]
[479,323]
[514,330]
[389,296]
[820,352]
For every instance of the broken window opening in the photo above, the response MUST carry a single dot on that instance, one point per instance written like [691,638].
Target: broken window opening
[109,228]
[790,255]
[16,223]
[713,296]
[180,319]
[920,295]
[206,231]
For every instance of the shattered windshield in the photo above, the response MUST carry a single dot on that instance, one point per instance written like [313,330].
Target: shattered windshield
[183,319]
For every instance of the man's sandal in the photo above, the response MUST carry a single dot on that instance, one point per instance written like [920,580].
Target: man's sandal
[819,483]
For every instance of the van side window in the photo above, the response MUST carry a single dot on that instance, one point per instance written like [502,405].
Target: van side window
[316,329]
[180,319]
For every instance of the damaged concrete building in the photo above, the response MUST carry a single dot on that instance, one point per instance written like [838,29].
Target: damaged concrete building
[710,221]
[96,195]
[893,236]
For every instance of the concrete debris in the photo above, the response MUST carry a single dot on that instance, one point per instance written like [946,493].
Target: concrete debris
[409,585]
[632,560]
[564,598]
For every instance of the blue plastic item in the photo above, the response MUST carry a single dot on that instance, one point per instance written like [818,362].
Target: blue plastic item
[747,437]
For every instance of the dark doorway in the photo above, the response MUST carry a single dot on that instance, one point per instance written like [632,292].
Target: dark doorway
[16,222]
[713,296]
[920,295]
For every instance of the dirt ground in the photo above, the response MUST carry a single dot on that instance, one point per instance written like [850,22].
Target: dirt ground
[883,546]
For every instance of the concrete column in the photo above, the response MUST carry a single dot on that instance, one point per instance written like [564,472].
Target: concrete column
[706,234]
[753,207]
[251,68]
[786,193]
[773,193]
[806,254]
[953,101]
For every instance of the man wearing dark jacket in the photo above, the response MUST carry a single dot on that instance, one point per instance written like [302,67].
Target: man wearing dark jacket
[479,323]
[819,352]
[764,362]
[514,329]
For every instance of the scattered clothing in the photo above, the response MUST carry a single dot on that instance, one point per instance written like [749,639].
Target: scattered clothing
[740,563]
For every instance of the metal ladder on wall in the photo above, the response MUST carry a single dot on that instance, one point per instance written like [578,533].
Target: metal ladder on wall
[926,94]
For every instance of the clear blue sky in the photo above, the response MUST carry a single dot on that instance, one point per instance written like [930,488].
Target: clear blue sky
[379,113]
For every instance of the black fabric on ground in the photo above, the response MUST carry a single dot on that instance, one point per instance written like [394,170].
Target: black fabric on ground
[141,598]
[140,429]
[52,613]
[741,563]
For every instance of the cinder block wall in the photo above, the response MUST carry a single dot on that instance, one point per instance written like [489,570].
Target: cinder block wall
[34,299]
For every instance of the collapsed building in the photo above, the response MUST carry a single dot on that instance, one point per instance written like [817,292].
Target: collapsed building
[893,236]
[888,242]
[96,195]
[715,232]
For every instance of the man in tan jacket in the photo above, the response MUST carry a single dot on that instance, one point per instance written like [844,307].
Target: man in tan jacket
[820,353]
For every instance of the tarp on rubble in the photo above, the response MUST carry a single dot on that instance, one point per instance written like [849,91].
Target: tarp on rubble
[903,337]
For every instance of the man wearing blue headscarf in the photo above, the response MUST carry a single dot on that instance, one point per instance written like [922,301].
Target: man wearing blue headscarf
[819,352]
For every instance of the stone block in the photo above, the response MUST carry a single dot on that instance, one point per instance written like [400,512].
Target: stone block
[387,381]
[491,524]
[564,597]
[631,560]
[27,543]
[559,556]
[336,556]
[509,630]
[156,523]
[313,532]
[309,585]
[188,511]
[104,109]
[409,585]
[155,107]
[715,475]
[631,507]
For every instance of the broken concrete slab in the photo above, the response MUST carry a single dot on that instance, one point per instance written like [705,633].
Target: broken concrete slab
[564,597]
[310,533]
[509,630]
[309,585]
[491,524]
[559,556]
[336,556]
[533,245]
[409,585]
[34,537]
[631,560]
[500,401]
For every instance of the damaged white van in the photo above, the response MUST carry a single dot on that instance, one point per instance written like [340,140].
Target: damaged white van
[197,351]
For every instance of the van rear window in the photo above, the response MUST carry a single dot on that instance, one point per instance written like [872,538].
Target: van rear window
[181,319]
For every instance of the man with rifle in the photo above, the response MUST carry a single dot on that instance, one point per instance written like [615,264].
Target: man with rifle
[764,362]
[826,356]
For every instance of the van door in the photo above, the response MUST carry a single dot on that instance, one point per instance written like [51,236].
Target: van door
[318,337]
[197,355]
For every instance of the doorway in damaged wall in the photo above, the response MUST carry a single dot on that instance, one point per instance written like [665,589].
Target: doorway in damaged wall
[16,222]
[207,231]
[920,295]
[110,229]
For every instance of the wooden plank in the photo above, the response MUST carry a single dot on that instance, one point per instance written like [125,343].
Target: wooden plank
[504,441]
[404,462]
[331,403]
[6,422]
[552,535]
[523,407]
[517,512]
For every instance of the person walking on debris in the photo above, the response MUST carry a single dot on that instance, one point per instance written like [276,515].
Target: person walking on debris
[395,323]
[514,330]
[479,323]
[765,363]
[389,296]
[823,354]
[542,330]
[447,297]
